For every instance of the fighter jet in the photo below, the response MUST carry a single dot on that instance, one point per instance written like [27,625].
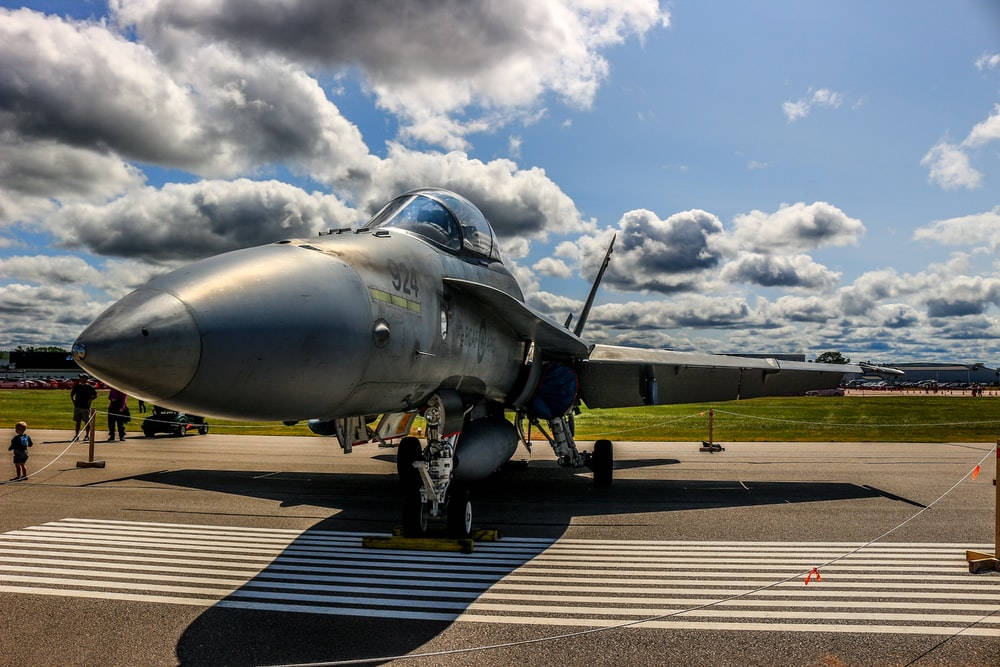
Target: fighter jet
[413,313]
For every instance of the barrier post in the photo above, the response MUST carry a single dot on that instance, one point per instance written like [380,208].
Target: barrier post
[711,446]
[91,436]
[984,562]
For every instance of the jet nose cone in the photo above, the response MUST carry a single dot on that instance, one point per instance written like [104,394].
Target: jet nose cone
[147,344]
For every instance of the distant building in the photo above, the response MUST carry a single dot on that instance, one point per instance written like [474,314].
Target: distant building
[977,373]
[32,365]
[941,373]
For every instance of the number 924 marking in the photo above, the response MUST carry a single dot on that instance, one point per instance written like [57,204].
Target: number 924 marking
[404,279]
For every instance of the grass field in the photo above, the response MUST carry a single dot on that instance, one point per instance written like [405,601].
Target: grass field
[807,418]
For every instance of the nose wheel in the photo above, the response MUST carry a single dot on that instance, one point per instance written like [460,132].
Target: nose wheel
[416,514]
[459,511]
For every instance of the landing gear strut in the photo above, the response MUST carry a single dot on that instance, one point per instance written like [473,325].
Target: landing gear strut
[428,493]
[601,460]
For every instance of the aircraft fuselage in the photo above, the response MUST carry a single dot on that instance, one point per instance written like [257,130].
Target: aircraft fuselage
[342,325]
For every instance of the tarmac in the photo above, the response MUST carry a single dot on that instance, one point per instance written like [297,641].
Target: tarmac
[230,549]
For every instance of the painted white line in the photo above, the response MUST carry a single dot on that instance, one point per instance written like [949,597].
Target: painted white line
[826,545]
[916,570]
[668,624]
[211,527]
[237,551]
[817,592]
[193,537]
[278,564]
[737,613]
[767,577]
[218,593]
[716,626]
[604,554]
[742,602]
[372,584]
[868,559]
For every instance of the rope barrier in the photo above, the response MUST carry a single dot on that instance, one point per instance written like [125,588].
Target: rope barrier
[862,425]
[217,425]
[640,428]
[76,439]
[626,624]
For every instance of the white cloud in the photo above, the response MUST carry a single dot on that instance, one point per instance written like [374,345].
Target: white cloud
[35,173]
[652,254]
[549,266]
[518,202]
[979,229]
[796,271]
[797,226]
[949,164]
[441,68]
[988,61]
[514,146]
[985,131]
[823,97]
[197,220]
[950,167]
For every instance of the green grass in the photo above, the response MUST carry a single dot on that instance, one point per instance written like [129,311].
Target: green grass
[51,408]
[807,419]
[826,418]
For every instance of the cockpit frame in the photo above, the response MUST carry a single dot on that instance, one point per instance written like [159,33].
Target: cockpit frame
[443,218]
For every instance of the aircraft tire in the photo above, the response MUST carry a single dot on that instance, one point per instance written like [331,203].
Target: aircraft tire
[409,450]
[603,464]
[414,514]
[459,512]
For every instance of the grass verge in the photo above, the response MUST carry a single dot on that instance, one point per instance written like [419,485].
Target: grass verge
[805,418]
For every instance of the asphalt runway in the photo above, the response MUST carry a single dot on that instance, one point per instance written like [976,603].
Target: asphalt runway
[228,549]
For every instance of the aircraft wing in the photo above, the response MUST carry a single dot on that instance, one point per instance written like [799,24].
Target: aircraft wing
[527,322]
[615,377]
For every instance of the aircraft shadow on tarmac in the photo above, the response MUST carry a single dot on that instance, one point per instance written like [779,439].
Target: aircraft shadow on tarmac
[539,501]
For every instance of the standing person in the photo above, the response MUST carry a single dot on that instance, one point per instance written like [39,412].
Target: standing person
[118,414]
[82,395]
[142,406]
[19,445]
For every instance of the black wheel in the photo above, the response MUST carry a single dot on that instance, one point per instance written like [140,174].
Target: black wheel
[180,430]
[602,462]
[415,514]
[148,433]
[459,511]
[203,429]
[409,450]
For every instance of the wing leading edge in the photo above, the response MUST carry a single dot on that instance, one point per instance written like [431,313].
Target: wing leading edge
[617,377]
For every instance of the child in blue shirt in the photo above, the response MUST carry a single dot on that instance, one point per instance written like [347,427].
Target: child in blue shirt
[19,445]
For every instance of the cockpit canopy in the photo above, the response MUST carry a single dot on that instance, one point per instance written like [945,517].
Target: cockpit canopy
[443,218]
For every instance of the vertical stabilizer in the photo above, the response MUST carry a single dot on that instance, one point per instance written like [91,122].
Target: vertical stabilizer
[593,289]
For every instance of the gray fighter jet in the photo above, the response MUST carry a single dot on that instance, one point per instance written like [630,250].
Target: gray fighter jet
[414,312]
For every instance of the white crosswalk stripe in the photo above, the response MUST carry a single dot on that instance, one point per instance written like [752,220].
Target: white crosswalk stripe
[906,588]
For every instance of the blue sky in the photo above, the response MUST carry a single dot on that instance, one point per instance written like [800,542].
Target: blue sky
[783,176]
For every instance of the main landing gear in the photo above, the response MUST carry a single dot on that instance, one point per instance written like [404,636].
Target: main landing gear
[601,460]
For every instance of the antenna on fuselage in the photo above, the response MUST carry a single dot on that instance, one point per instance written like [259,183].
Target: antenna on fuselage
[593,290]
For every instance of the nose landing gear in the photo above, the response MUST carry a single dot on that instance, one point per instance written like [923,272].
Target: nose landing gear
[428,492]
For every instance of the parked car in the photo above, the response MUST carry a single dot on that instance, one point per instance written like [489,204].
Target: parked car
[162,420]
[836,391]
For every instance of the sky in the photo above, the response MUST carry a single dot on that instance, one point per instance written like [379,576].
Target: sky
[783,177]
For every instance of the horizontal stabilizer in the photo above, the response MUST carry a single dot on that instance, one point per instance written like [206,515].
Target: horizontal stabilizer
[614,377]
[527,322]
